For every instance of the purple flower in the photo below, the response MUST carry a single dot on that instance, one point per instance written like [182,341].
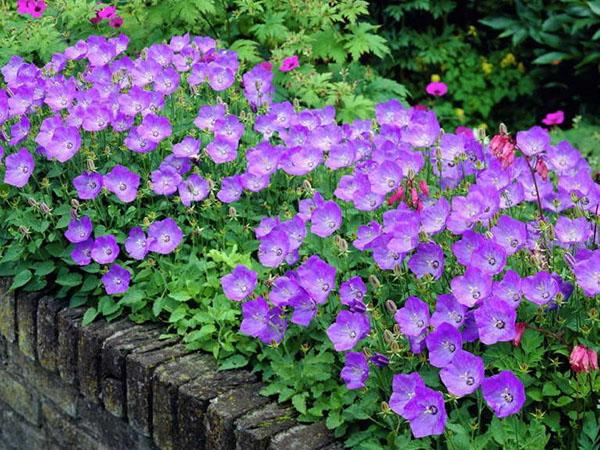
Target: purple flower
[231,189]
[385,178]
[122,182]
[208,115]
[219,77]
[355,371]
[137,244]
[433,216]
[317,278]
[79,230]
[587,273]
[540,288]
[510,233]
[164,236]
[194,189]
[366,234]
[426,412]
[504,393]
[221,150]
[154,128]
[464,374]
[448,310]
[443,343]
[88,185]
[262,159]
[305,309]
[572,231]
[326,219]
[428,259]
[65,143]
[533,141]
[495,321]
[403,390]
[273,248]
[348,329]
[105,249]
[413,317]
[379,360]
[509,289]
[296,231]
[116,280]
[19,167]
[284,289]
[472,287]
[258,87]
[240,283]
[352,291]
[165,180]
[490,258]
[187,148]
[464,249]
[261,322]
[19,131]
[82,252]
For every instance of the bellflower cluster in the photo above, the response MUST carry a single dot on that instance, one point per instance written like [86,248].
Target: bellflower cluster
[475,238]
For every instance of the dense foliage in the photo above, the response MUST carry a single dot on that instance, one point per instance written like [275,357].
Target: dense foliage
[401,282]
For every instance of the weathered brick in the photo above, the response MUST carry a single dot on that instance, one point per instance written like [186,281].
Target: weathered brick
[254,430]
[47,331]
[27,323]
[65,432]
[224,410]
[19,397]
[69,324]
[47,384]
[139,370]
[136,339]
[113,396]
[8,312]
[194,399]
[108,430]
[89,349]
[306,437]
[165,383]
[18,434]
[334,446]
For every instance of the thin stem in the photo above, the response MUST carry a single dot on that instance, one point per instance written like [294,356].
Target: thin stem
[537,191]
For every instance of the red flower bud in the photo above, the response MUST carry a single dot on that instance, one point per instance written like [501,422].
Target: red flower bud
[542,169]
[519,330]
[414,196]
[396,196]
[503,148]
[583,359]
[424,188]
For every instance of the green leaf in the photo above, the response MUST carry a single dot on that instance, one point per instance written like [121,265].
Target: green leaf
[21,279]
[90,315]
[44,268]
[233,362]
[69,279]
[550,57]
[499,23]
[364,40]
[299,402]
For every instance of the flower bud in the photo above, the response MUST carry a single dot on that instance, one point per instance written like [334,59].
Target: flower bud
[232,212]
[307,187]
[45,208]
[519,330]
[424,187]
[75,203]
[91,167]
[388,337]
[367,352]
[342,244]
[583,359]
[74,214]
[374,281]
[395,347]
[33,202]
[391,307]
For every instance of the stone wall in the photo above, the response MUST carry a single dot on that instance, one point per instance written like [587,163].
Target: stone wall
[118,386]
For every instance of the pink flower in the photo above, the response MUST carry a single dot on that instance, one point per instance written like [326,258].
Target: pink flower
[107,12]
[583,359]
[115,22]
[437,88]
[519,330]
[555,118]
[35,8]
[266,65]
[289,63]
[503,147]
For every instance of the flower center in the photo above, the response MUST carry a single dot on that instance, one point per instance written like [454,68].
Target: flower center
[432,409]
[470,381]
[500,324]
[122,186]
[508,397]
